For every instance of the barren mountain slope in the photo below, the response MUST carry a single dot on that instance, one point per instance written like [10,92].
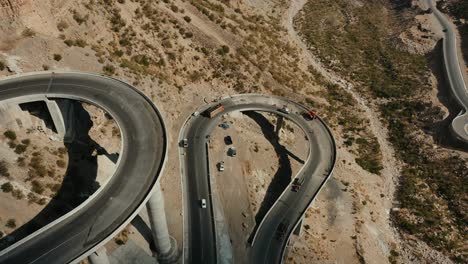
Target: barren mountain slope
[178,52]
[377,46]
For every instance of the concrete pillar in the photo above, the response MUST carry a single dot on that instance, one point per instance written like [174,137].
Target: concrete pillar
[57,117]
[62,112]
[279,124]
[166,246]
[99,257]
[298,229]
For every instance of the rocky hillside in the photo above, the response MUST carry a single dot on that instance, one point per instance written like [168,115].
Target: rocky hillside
[376,45]
[357,62]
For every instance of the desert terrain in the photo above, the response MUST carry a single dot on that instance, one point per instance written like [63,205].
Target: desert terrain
[371,69]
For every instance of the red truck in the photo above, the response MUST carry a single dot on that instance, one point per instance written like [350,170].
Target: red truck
[214,110]
[310,115]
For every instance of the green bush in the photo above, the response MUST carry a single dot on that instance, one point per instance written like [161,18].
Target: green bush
[37,187]
[4,169]
[62,150]
[142,60]
[11,223]
[69,42]
[61,163]
[10,135]
[28,33]
[80,19]
[62,25]
[20,148]
[7,187]
[18,194]
[21,162]
[38,169]
[80,43]
[57,57]
[42,201]
[108,69]
[223,50]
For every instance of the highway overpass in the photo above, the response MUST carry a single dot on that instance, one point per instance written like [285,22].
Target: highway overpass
[87,227]
[287,210]
[80,232]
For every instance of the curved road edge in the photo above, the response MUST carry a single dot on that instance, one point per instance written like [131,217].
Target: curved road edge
[454,73]
[155,168]
[283,251]
[199,130]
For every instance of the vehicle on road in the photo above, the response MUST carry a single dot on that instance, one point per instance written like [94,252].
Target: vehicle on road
[203,203]
[224,125]
[228,140]
[214,110]
[196,113]
[232,152]
[184,143]
[310,115]
[296,185]
[284,110]
[281,231]
[221,166]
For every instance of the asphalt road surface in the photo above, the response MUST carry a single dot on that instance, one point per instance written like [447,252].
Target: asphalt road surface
[78,233]
[267,247]
[454,73]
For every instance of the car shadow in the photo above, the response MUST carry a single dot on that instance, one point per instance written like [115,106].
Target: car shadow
[283,175]
[79,181]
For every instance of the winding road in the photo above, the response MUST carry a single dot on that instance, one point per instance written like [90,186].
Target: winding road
[289,208]
[80,232]
[454,73]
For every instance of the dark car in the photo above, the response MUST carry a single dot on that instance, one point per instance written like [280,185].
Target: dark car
[224,125]
[228,140]
[281,231]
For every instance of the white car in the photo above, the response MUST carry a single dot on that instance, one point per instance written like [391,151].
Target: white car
[185,143]
[284,110]
[221,166]
[203,203]
[232,152]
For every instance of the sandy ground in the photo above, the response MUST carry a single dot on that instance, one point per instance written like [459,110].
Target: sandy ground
[43,144]
[46,146]
[349,221]
[247,177]
[342,228]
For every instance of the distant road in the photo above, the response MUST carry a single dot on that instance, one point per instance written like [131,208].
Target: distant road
[267,247]
[454,73]
[144,144]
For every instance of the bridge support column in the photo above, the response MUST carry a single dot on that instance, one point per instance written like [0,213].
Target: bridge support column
[57,117]
[166,246]
[298,230]
[99,257]
[279,124]
[62,112]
